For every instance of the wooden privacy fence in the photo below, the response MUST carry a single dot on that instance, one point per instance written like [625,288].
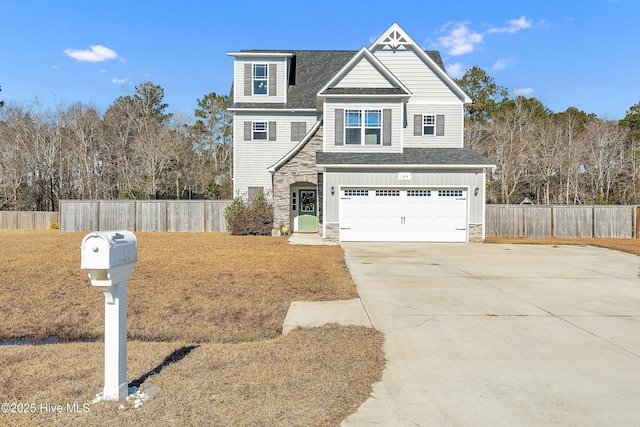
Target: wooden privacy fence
[27,220]
[539,221]
[143,215]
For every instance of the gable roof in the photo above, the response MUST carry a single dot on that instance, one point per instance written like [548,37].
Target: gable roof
[365,54]
[422,157]
[313,69]
[395,38]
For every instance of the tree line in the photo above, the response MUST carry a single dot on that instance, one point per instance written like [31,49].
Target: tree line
[570,157]
[135,150]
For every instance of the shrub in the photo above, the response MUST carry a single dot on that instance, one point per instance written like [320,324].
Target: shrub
[54,226]
[253,217]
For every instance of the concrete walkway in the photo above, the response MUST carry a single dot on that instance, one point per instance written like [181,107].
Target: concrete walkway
[501,335]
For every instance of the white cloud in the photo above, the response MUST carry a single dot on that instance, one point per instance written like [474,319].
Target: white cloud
[503,64]
[455,70]
[96,53]
[119,81]
[460,40]
[515,25]
[524,91]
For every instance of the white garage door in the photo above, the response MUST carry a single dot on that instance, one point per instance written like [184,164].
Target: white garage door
[403,215]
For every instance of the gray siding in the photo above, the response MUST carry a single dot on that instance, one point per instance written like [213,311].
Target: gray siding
[333,107]
[449,131]
[253,158]
[277,92]
[363,74]
[467,179]
[415,74]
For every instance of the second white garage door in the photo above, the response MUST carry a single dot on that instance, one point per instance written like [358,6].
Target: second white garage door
[403,215]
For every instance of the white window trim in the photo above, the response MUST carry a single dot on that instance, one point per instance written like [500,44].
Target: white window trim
[363,125]
[253,130]
[265,78]
[434,125]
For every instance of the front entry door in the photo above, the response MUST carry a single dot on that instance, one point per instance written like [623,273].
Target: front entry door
[307,210]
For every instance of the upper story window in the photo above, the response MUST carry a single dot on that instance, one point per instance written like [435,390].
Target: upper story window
[428,124]
[260,131]
[363,127]
[260,79]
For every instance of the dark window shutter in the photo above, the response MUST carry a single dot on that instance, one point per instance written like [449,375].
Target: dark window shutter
[339,134]
[298,130]
[320,197]
[247,131]
[272,131]
[417,125]
[273,79]
[248,80]
[386,127]
[440,125]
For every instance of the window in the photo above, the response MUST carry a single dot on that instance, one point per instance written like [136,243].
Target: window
[356,193]
[294,202]
[450,193]
[260,131]
[353,125]
[260,79]
[387,193]
[418,193]
[363,127]
[428,125]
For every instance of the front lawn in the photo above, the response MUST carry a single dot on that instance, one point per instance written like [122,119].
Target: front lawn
[204,318]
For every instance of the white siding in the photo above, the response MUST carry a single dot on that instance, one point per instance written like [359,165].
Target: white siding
[363,74]
[282,80]
[415,74]
[453,126]
[330,107]
[252,158]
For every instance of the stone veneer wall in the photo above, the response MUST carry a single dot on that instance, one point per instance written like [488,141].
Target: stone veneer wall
[301,168]
[333,232]
[475,233]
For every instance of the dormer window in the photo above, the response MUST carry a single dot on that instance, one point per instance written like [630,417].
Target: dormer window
[260,79]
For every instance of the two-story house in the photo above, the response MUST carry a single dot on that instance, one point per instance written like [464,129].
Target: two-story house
[360,145]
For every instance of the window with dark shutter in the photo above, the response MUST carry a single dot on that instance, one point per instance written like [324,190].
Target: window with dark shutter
[417,125]
[339,133]
[298,130]
[386,127]
[272,131]
[247,131]
[248,78]
[440,125]
[273,79]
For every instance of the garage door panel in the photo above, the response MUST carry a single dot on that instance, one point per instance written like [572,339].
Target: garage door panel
[413,215]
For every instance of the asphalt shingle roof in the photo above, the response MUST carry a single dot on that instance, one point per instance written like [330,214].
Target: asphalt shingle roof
[313,70]
[410,156]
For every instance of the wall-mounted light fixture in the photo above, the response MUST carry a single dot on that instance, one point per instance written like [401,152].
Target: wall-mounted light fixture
[476,191]
[333,190]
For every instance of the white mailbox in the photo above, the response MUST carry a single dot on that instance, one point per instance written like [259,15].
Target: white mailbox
[109,256]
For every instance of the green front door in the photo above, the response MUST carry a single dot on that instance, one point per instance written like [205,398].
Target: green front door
[307,210]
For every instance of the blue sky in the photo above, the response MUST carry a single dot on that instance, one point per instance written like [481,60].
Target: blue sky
[583,54]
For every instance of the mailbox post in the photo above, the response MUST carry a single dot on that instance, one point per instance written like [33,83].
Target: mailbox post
[109,257]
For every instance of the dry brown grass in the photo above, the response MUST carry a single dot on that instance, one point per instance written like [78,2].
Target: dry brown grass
[205,287]
[218,290]
[631,246]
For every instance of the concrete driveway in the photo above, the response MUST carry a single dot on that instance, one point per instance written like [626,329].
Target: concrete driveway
[513,335]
